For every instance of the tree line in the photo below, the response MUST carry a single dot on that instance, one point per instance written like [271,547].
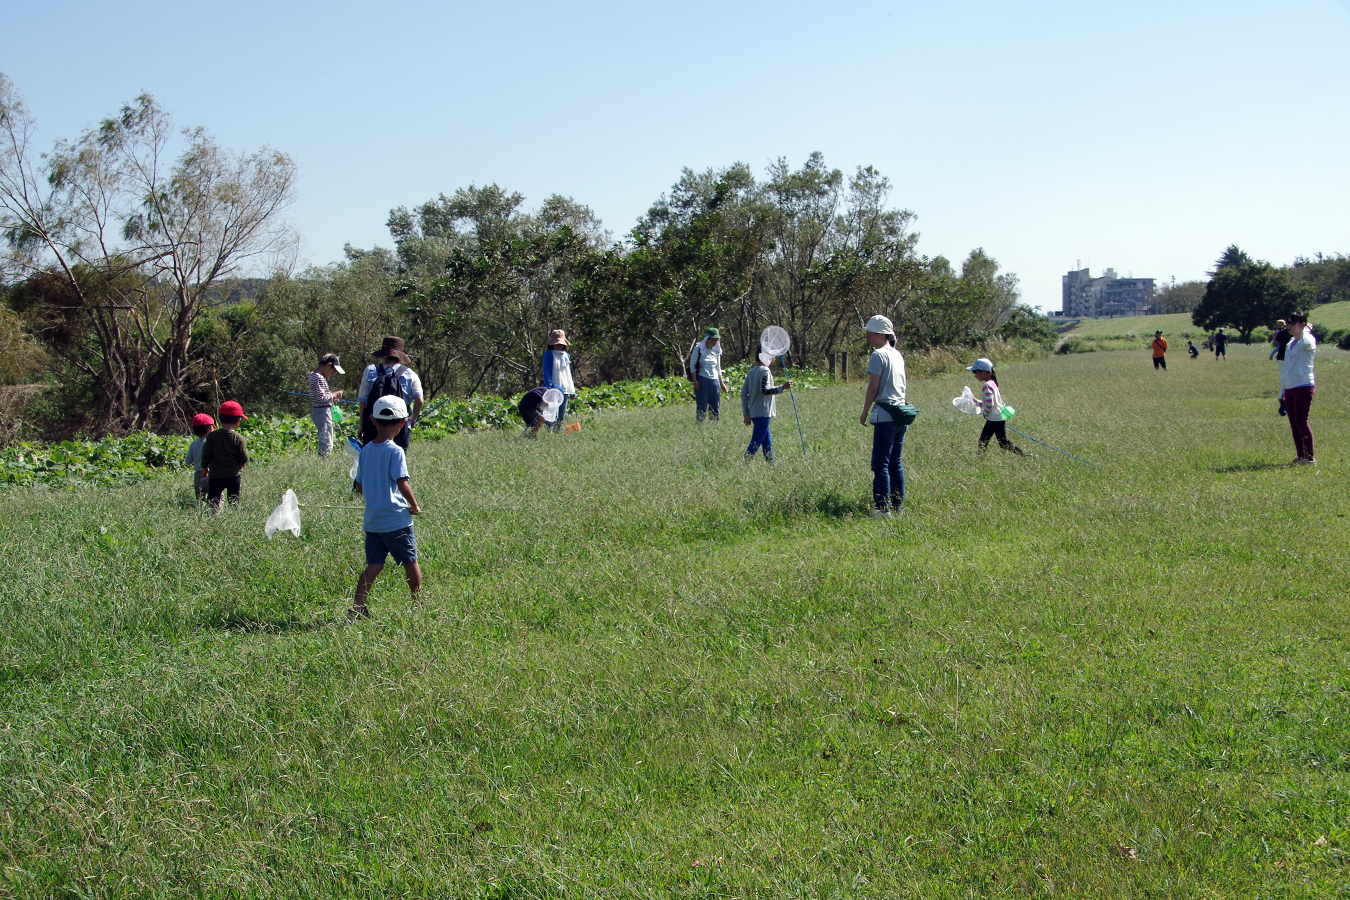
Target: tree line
[126,250]
[1312,280]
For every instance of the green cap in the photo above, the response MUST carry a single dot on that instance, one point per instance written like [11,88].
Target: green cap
[712,332]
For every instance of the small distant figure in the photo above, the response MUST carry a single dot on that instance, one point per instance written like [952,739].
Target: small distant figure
[557,371]
[382,480]
[1159,351]
[1279,340]
[1193,350]
[758,406]
[202,425]
[1221,345]
[322,398]
[530,409]
[991,407]
[705,371]
[224,455]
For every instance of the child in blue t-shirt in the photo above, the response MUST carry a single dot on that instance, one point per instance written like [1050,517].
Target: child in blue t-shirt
[382,479]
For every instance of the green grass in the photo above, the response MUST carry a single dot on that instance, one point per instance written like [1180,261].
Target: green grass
[645,669]
[1335,316]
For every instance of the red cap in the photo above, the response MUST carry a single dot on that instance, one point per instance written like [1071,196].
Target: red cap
[203,419]
[232,408]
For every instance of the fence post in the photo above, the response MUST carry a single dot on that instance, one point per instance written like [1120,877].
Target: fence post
[830,357]
[843,366]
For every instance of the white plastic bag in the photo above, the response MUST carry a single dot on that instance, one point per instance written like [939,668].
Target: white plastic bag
[354,451]
[553,400]
[285,517]
[967,403]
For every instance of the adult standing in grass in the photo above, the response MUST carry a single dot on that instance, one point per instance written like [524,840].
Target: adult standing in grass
[1297,386]
[1159,351]
[389,375]
[558,372]
[1221,345]
[1279,340]
[885,385]
[705,367]
[322,398]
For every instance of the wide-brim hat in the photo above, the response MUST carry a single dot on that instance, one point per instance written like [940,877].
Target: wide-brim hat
[392,346]
[880,325]
[558,336]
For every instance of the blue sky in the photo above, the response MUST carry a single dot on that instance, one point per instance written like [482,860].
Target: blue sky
[1145,136]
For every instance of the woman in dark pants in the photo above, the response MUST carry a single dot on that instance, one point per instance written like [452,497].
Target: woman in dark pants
[885,388]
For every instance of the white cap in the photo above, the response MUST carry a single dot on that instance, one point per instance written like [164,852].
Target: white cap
[879,325]
[389,408]
[981,365]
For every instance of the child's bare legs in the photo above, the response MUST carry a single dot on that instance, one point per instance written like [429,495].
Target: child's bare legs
[411,571]
[364,582]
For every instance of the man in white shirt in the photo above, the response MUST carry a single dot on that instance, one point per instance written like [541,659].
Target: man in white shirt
[391,356]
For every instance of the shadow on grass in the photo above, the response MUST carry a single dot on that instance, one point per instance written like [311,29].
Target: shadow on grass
[1236,468]
[250,622]
[808,500]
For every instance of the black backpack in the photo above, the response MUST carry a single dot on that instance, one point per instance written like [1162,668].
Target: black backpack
[385,384]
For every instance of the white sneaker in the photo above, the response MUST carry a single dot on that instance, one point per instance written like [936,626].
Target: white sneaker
[1304,462]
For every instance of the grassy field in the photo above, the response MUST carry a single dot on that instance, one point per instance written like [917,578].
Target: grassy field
[646,669]
[1333,315]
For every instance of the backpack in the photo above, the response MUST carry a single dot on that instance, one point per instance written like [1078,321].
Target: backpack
[692,374]
[385,384]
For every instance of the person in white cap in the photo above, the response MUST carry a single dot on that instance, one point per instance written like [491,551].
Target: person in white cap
[322,399]
[382,480]
[885,395]
[991,407]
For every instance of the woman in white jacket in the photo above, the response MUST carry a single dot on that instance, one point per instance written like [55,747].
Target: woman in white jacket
[1297,385]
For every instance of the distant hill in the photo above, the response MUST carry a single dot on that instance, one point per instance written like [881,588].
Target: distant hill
[1333,315]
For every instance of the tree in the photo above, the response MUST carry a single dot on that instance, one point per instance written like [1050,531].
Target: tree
[1232,258]
[1327,278]
[483,283]
[140,243]
[1246,297]
[690,260]
[1179,298]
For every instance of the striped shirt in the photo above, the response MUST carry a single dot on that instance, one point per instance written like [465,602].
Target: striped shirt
[991,402]
[319,394]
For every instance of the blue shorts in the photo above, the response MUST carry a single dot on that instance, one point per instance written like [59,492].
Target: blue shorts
[401,544]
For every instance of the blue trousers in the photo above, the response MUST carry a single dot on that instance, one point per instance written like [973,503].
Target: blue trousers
[708,396]
[888,468]
[760,437]
[562,414]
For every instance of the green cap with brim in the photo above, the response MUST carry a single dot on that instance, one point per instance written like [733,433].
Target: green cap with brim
[712,333]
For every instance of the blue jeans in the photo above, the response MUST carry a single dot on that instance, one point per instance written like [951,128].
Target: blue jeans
[888,469]
[562,414]
[708,396]
[760,438]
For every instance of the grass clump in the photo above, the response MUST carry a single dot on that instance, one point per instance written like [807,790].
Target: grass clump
[647,668]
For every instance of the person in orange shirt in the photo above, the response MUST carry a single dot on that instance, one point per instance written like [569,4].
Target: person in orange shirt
[1159,351]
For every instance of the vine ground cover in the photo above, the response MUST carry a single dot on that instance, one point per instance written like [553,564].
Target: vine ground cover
[644,668]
